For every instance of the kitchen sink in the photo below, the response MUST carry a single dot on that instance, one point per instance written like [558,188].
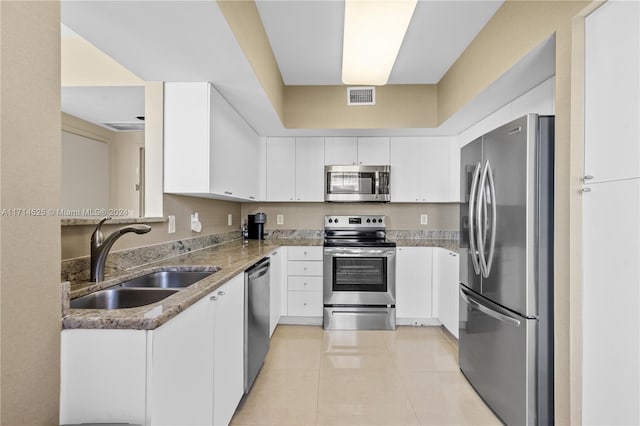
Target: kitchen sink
[167,279]
[119,298]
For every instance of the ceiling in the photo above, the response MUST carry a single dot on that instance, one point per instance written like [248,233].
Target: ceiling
[306,38]
[191,41]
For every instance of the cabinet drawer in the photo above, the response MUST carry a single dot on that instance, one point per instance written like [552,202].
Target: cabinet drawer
[302,283]
[305,303]
[305,253]
[299,267]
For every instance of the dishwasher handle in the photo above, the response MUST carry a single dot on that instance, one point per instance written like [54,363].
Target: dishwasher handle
[259,269]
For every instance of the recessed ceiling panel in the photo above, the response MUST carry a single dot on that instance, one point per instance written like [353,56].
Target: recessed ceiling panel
[306,38]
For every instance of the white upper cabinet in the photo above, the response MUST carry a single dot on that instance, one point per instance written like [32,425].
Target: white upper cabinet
[612,74]
[370,151]
[281,169]
[295,168]
[209,149]
[309,171]
[421,170]
[373,151]
[340,151]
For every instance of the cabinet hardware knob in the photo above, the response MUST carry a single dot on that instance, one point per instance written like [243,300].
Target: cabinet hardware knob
[586,190]
[221,293]
[305,303]
[228,193]
[213,298]
[588,177]
[251,197]
[305,283]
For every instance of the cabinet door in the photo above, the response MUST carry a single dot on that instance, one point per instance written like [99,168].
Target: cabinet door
[405,169]
[612,75]
[281,173]
[435,170]
[186,137]
[283,262]
[234,162]
[103,376]
[447,281]
[228,358]
[275,278]
[414,282]
[340,151]
[373,151]
[610,294]
[309,169]
[182,368]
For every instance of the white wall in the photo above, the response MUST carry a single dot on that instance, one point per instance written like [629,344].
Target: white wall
[85,173]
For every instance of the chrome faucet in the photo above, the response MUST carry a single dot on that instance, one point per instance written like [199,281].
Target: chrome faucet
[100,246]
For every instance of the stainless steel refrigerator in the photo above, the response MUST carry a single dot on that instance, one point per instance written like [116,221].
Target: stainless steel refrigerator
[506,269]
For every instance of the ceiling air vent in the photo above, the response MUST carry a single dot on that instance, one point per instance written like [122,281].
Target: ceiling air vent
[125,126]
[361,95]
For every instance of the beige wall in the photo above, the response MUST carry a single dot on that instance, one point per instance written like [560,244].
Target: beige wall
[399,216]
[325,107]
[82,64]
[124,162]
[30,302]
[213,215]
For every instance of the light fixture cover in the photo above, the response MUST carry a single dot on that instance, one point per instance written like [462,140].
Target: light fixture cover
[373,34]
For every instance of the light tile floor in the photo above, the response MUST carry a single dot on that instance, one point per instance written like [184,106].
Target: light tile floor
[405,377]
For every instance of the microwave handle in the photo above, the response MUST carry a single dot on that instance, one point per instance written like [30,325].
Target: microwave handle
[377,175]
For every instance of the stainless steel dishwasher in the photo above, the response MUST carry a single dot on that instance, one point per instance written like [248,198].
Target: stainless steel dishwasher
[256,320]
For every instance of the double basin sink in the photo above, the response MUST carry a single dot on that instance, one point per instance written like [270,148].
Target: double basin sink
[144,290]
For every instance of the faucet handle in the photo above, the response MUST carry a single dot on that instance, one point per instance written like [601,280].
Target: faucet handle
[97,233]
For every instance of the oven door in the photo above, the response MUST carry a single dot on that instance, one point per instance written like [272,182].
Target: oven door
[359,276]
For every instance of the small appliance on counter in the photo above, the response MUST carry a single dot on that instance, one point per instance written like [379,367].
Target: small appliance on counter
[255,226]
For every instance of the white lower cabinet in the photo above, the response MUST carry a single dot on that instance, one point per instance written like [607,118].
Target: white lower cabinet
[414,285]
[189,371]
[448,283]
[304,282]
[228,351]
[275,287]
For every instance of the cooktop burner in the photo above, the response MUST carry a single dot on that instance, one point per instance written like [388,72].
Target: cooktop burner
[356,231]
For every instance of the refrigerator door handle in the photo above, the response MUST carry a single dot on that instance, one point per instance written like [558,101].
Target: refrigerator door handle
[468,299]
[472,201]
[494,204]
[481,231]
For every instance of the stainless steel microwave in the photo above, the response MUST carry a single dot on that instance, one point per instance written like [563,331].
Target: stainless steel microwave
[357,183]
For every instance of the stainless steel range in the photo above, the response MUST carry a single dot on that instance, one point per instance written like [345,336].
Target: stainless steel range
[359,274]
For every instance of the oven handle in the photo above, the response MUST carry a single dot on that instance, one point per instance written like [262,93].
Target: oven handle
[363,252]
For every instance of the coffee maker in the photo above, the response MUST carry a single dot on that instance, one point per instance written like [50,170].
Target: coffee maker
[255,226]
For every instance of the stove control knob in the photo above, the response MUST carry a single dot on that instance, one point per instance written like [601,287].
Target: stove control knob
[330,220]
[369,220]
[336,220]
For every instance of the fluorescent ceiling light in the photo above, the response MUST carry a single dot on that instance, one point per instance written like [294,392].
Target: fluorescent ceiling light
[373,33]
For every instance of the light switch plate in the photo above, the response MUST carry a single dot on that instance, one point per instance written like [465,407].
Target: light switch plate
[229,219]
[172,224]
[280,219]
[424,219]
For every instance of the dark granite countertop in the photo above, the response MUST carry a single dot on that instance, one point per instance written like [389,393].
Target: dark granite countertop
[230,259]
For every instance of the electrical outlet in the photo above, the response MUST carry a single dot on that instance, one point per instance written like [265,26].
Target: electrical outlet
[424,219]
[172,224]
[229,219]
[280,219]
